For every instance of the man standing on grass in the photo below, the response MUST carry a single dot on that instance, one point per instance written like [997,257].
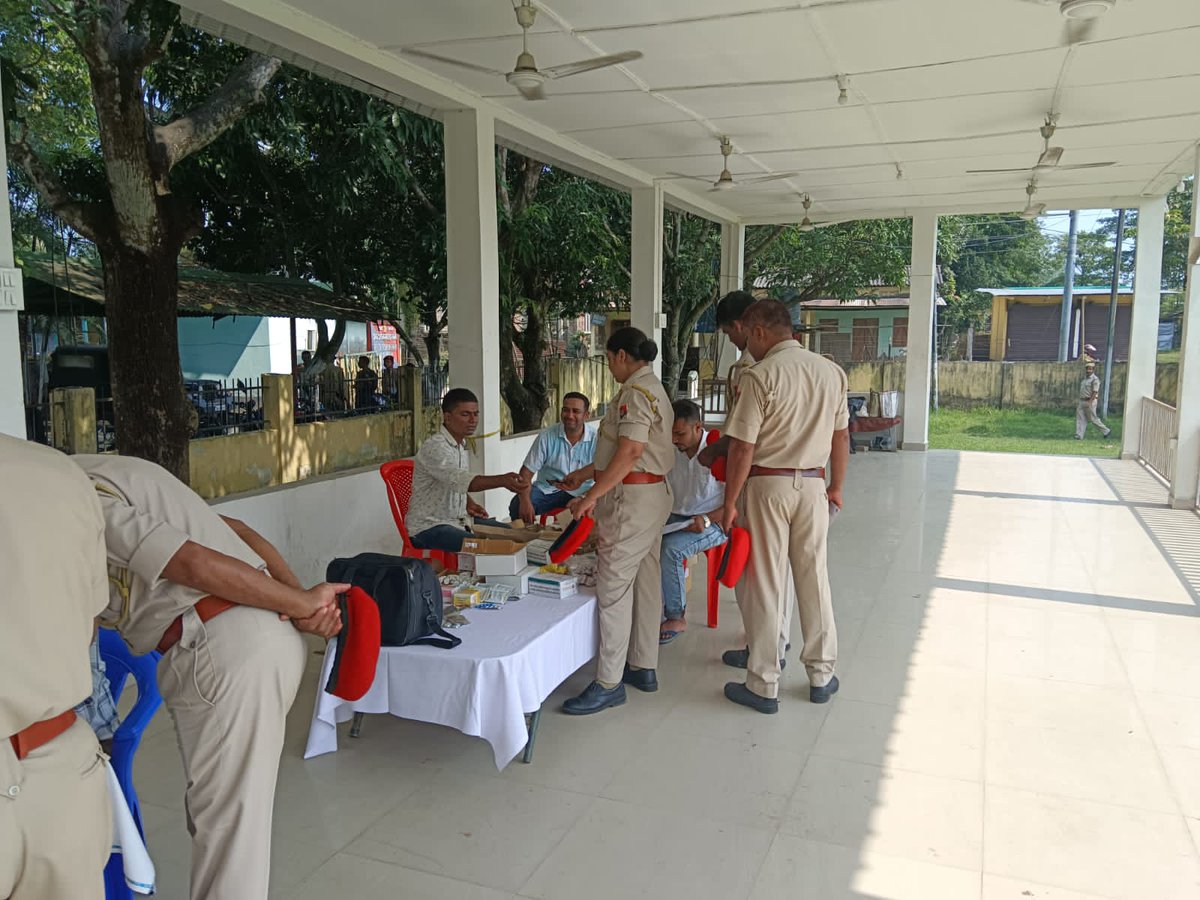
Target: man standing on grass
[1085,409]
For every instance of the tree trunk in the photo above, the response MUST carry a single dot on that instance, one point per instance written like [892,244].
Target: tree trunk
[674,352]
[433,348]
[526,396]
[152,415]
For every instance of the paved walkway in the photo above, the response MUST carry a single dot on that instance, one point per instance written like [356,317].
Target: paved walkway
[1019,717]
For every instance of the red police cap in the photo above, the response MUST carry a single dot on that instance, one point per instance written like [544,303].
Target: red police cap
[735,557]
[357,646]
[718,466]
[571,539]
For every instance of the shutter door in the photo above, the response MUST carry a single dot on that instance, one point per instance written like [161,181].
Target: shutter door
[1095,330]
[1033,331]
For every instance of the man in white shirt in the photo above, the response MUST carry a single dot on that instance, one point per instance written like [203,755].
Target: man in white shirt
[440,512]
[557,452]
[698,497]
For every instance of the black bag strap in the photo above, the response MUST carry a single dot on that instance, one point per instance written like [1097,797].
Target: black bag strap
[449,643]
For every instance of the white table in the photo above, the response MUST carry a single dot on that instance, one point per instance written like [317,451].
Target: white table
[510,660]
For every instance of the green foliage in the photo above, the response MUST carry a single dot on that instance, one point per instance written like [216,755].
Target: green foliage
[1020,431]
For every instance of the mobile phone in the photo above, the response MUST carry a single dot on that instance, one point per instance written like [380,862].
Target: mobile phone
[834,509]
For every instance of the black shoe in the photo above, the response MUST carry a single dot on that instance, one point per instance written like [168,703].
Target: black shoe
[739,659]
[1107,433]
[824,692]
[739,693]
[642,679]
[595,697]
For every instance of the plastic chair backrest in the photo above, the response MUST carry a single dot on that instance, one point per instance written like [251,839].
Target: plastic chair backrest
[398,476]
[119,664]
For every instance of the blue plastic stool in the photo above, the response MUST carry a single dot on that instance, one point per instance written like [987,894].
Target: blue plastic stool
[119,665]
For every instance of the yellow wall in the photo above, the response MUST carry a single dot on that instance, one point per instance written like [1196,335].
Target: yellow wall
[231,464]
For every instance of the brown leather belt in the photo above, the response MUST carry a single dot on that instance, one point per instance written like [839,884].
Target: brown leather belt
[41,733]
[638,477]
[206,608]
[804,473]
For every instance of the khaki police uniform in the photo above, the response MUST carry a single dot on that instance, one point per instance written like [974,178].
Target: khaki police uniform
[55,814]
[791,403]
[744,362]
[629,521]
[228,683]
[1085,408]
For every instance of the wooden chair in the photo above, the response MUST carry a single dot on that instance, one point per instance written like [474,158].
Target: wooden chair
[398,476]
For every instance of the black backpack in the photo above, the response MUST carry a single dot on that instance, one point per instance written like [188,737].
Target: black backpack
[407,593]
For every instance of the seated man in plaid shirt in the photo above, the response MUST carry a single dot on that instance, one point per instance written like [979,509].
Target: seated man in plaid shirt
[100,710]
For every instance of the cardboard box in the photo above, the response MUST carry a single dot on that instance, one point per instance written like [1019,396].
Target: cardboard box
[538,551]
[519,582]
[500,563]
[466,597]
[520,535]
[548,585]
[491,545]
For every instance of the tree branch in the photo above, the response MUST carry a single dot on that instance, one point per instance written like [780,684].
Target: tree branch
[80,216]
[197,129]
[759,250]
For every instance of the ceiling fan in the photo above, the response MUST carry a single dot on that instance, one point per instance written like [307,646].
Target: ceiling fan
[725,180]
[806,224]
[526,77]
[1050,158]
[1032,210]
[1082,17]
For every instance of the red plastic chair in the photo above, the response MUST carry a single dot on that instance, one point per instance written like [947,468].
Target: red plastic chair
[713,557]
[398,476]
[547,517]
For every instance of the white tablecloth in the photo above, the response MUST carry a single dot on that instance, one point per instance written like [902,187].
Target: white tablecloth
[509,661]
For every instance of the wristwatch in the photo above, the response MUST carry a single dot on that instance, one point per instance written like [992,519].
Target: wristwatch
[707,521]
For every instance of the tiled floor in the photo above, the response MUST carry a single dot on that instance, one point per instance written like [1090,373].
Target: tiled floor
[1019,718]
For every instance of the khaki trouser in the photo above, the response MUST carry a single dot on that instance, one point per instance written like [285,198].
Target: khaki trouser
[1085,411]
[55,819]
[228,685]
[629,521]
[788,521]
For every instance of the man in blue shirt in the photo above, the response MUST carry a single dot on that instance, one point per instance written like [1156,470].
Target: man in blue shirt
[556,452]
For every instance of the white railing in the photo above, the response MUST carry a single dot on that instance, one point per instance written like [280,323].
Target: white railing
[1156,437]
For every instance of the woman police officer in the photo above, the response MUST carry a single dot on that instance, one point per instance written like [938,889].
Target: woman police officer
[631,500]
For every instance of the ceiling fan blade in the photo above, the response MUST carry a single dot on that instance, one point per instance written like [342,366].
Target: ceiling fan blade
[532,91]
[676,175]
[993,171]
[1050,158]
[453,62]
[587,65]
[776,177]
[1100,165]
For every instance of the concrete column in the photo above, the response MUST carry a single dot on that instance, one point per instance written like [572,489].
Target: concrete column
[473,276]
[646,267]
[73,420]
[733,276]
[1143,326]
[12,398]
[279,416]
[1186,482]
[922,284]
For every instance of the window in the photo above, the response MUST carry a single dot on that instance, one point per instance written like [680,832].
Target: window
[900,331]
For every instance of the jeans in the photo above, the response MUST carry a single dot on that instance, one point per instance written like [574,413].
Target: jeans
[447,537]
[676,547]
[542,503]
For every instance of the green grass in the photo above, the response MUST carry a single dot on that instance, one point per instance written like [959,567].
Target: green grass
[1020,431]
[1168,356]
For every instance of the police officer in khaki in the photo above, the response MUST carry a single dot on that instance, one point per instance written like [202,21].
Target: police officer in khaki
[790,419]
[215,598]
[631,500]
[55,817]
[730,311]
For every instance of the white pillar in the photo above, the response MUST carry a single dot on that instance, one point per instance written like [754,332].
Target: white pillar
[12,400]
[1143,326]
[1186,483]
[733,276]
[646,266]
[473,274]
[922,285]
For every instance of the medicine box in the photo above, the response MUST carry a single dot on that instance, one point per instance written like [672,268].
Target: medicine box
[549,585]
[500,563]
[519,582]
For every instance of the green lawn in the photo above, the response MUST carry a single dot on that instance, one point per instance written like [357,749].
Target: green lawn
[1019,431]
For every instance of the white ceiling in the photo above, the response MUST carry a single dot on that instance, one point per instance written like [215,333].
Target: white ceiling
[937,87]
